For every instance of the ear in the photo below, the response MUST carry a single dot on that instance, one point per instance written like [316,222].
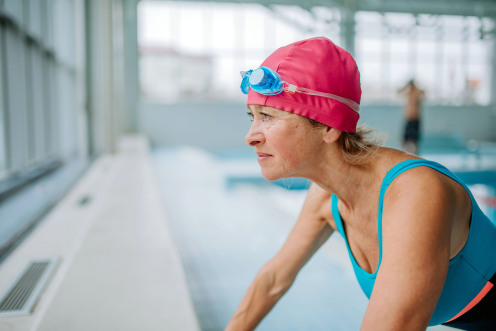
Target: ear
[331,135]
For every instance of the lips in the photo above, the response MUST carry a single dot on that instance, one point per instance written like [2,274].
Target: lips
[263,156]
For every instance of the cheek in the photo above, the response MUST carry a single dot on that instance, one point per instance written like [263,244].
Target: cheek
[281,138]
[293,144]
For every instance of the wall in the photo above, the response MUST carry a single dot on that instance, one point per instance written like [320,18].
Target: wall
[467,122]
[208,125]
[111,55]
[224,125]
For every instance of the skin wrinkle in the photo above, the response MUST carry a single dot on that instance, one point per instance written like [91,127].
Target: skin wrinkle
[266,135]
[349,200]
[319,171]
[316,169]
[424,217]
[416,233]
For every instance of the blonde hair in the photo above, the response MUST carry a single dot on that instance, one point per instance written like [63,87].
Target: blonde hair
[356,147]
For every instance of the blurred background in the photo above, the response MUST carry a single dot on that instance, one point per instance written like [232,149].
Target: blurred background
[128,197]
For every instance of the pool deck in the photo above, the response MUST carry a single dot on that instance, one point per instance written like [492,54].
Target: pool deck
[118,265]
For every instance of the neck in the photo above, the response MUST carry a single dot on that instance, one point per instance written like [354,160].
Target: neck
[350,182]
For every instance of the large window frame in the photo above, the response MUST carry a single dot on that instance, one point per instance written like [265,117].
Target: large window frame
[38,107]
[212,55]
[3,114]
[435,50]
[390,49]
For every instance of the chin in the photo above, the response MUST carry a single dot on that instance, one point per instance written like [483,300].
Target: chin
[270,176]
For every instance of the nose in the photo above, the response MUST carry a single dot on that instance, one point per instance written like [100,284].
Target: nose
[254,136]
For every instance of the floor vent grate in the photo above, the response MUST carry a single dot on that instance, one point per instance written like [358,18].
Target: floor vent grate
[21,296]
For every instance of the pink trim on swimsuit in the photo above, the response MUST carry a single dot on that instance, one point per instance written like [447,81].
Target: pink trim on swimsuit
[475,301]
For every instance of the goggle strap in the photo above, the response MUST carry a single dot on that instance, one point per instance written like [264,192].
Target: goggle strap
[292,89]
[350,103]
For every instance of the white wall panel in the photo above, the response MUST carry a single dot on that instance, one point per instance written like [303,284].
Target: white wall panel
[3,156]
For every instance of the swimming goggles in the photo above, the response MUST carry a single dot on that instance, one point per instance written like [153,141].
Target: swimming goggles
[268,82]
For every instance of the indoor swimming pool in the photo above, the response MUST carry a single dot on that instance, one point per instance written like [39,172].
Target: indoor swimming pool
[227,222]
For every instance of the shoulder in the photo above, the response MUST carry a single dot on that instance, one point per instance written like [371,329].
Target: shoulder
[420,197]
[421,181]
[419,211]
[416,232]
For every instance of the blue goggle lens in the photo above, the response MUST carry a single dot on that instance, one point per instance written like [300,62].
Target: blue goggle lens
[262,80]
[268,82]
[245,84]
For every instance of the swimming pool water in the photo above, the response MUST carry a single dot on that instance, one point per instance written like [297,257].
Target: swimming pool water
[227,222]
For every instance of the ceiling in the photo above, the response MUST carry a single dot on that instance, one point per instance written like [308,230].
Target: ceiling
[480,8]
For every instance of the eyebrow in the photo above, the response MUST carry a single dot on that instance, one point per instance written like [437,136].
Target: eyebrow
[253,106]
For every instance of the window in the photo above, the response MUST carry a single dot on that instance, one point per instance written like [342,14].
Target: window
[37,87]
[448,56]
[195,50]
[3,152]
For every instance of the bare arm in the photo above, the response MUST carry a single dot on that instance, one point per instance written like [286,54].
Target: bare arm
[276,276]
[417,224]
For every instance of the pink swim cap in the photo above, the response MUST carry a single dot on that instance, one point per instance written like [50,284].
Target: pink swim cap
[316,64]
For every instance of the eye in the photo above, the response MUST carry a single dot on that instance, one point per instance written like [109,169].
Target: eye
[265,116]
[250,115]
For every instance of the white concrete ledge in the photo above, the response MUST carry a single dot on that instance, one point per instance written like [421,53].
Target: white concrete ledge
[119,268]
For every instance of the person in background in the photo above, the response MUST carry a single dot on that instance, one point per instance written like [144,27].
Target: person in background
[413,110]
[422,250]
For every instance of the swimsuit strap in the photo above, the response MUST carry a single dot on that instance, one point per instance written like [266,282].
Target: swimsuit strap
[390,176]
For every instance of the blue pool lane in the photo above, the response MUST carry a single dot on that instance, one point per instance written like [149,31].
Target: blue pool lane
[225,234]
[227,222]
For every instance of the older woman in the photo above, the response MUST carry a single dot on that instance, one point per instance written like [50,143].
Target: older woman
[422,250]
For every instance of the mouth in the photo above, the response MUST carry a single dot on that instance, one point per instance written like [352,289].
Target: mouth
[263,156]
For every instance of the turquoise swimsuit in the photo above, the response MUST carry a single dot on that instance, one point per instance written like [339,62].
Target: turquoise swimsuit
[469,271]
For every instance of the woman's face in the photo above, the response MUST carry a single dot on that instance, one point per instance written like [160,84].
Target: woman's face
[286,144]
